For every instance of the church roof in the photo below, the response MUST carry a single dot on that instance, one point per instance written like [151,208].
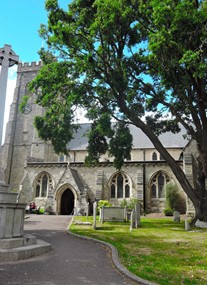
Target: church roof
[140,140]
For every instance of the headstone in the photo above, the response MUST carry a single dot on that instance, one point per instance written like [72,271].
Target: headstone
[176,216]
[201,224]
[187,225]
[94,215]
[132,226]
[137,215]
[101,218]
[87,211]
[112,214]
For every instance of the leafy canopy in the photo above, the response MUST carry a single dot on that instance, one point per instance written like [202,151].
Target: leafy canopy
[125,59]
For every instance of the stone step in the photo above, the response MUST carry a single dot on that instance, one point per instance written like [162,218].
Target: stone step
[17,242]
[24,252]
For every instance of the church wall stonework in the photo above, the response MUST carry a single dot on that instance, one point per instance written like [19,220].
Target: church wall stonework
[24,157]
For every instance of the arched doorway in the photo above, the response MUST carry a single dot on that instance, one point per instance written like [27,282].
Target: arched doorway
[67,202]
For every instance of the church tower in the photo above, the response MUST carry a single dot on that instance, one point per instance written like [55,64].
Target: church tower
[21,140]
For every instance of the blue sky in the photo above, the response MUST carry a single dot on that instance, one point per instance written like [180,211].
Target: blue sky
[20,21]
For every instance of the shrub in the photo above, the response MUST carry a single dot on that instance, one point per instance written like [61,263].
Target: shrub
[102,203]
[41,210]
[168,212]
[174,200]
[129,204]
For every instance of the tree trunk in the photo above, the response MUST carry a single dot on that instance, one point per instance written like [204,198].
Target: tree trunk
[197,194]
[201,209]
[200,188]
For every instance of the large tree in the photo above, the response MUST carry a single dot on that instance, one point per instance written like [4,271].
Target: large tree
[125,59]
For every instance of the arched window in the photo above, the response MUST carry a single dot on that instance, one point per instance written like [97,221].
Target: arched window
[42,185]
[158,184]
[154,156]
[120,186]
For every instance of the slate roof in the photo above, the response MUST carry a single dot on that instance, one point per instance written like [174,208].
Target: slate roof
[140,140]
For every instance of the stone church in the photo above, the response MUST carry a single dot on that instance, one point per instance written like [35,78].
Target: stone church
[60,183]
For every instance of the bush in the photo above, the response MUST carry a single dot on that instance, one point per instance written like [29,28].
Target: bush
[41,210]
[168,212]
[129,204]
[174,200]
[102,203]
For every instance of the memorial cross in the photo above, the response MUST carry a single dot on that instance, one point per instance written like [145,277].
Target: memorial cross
[7,59]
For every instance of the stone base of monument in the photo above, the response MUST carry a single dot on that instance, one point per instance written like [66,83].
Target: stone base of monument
[14,244]
[15,249]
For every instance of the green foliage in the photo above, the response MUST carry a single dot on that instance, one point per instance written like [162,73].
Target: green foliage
[168,212]
[120,145]
[97,139]
[41,210]
[174,200]
[23,103]
[102,203]
[129,204]
[126,58]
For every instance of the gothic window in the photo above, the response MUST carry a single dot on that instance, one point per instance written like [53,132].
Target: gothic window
[158,184]
[120,186]
[42,185]
[154,156]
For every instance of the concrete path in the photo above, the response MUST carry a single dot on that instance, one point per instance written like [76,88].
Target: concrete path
[72,261]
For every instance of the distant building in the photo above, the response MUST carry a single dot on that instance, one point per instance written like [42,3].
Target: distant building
[63,182]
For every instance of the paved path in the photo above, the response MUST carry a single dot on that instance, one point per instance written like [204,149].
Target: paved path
[72,261]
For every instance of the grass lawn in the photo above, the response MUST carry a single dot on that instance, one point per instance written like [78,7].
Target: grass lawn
[160,250]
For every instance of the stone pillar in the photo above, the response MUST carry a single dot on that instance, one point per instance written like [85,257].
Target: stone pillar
[7,59]
[11,212]
[94,215]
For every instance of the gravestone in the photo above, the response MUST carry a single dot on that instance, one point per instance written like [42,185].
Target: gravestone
[132,225]
[187,225]
[201,224]
[137,215]
[94,214]
[176,216]
[112,214]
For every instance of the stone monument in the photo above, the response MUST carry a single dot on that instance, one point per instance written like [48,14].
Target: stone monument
[7,59]
[11,212]
[14,245]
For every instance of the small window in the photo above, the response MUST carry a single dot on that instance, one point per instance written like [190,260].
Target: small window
[154,156]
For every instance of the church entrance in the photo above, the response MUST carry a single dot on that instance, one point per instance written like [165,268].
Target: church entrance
[67,202]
